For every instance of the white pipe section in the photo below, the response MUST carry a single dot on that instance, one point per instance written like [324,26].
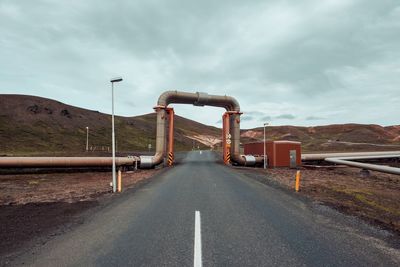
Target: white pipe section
[322,156]
[374,167]
[36,162]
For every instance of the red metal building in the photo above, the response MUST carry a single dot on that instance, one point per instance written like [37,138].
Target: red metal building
[279,153]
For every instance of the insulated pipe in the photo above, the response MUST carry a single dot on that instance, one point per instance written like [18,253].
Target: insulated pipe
[27,162]
[374,167]
[235,146]
[197,99]
[160,138]
[310,157]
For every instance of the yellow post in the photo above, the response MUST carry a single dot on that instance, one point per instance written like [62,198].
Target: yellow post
[297,185]
[119,180]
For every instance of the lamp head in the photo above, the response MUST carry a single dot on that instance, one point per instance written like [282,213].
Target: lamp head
[116,79]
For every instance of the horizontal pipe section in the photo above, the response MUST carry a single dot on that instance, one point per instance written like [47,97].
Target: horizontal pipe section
[371,157]
[27,162]
[374,167]
[198,99]
[310,157]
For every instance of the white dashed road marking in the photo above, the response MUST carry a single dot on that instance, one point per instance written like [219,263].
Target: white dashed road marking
[197,241]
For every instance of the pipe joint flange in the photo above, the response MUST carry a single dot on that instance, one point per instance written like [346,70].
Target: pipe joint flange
[146,162]
[250,160]
[158,107]
[202,99]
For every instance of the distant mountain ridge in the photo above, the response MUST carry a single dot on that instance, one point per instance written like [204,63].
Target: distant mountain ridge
[31,125]
[336,137]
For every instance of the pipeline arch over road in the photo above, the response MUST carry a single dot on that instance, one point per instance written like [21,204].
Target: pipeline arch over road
[231,127]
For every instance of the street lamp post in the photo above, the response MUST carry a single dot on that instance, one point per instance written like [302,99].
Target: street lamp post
[265,161]
[87,138]
[114,178]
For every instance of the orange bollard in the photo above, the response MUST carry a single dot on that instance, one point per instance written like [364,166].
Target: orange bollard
[119,180]
[297,185]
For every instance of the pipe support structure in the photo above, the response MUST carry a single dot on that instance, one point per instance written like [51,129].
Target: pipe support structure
[226,138]
[171,115]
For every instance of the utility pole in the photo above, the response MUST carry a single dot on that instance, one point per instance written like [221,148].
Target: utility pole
[87,138]
[114,178]
[265,157]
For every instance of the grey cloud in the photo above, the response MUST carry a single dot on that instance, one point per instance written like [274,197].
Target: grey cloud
[286,117]
[129,102]
[325,56]
[246,118]
[314,118]
[254,113]
[266,118]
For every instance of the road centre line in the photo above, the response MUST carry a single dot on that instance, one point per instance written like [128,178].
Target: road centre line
[197,241]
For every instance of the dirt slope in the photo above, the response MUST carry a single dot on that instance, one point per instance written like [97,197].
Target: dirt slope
[32,125]
[337,137]
[35,125]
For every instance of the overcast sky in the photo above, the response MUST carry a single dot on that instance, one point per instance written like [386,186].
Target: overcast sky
[286,62]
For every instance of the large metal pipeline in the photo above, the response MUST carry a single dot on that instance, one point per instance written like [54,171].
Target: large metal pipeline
[198,99]
[37,162]
[322,156]
[349,161]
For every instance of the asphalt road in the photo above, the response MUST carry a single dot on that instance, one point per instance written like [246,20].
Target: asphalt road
[241,222]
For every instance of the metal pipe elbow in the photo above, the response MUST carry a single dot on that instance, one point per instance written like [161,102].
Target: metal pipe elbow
[148,162]
[165,98]
[247,160]
[239,159]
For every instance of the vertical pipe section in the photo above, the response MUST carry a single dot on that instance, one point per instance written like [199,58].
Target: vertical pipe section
[235,132]
[160,138]
[151,161]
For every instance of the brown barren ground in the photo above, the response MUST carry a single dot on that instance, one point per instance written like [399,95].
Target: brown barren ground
[375,199]
[34,207]
[20,189]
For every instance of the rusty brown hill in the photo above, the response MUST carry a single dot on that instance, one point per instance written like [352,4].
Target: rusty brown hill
[333,138]
[31,125]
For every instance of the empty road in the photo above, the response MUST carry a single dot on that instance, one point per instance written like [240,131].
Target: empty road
[201,212]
